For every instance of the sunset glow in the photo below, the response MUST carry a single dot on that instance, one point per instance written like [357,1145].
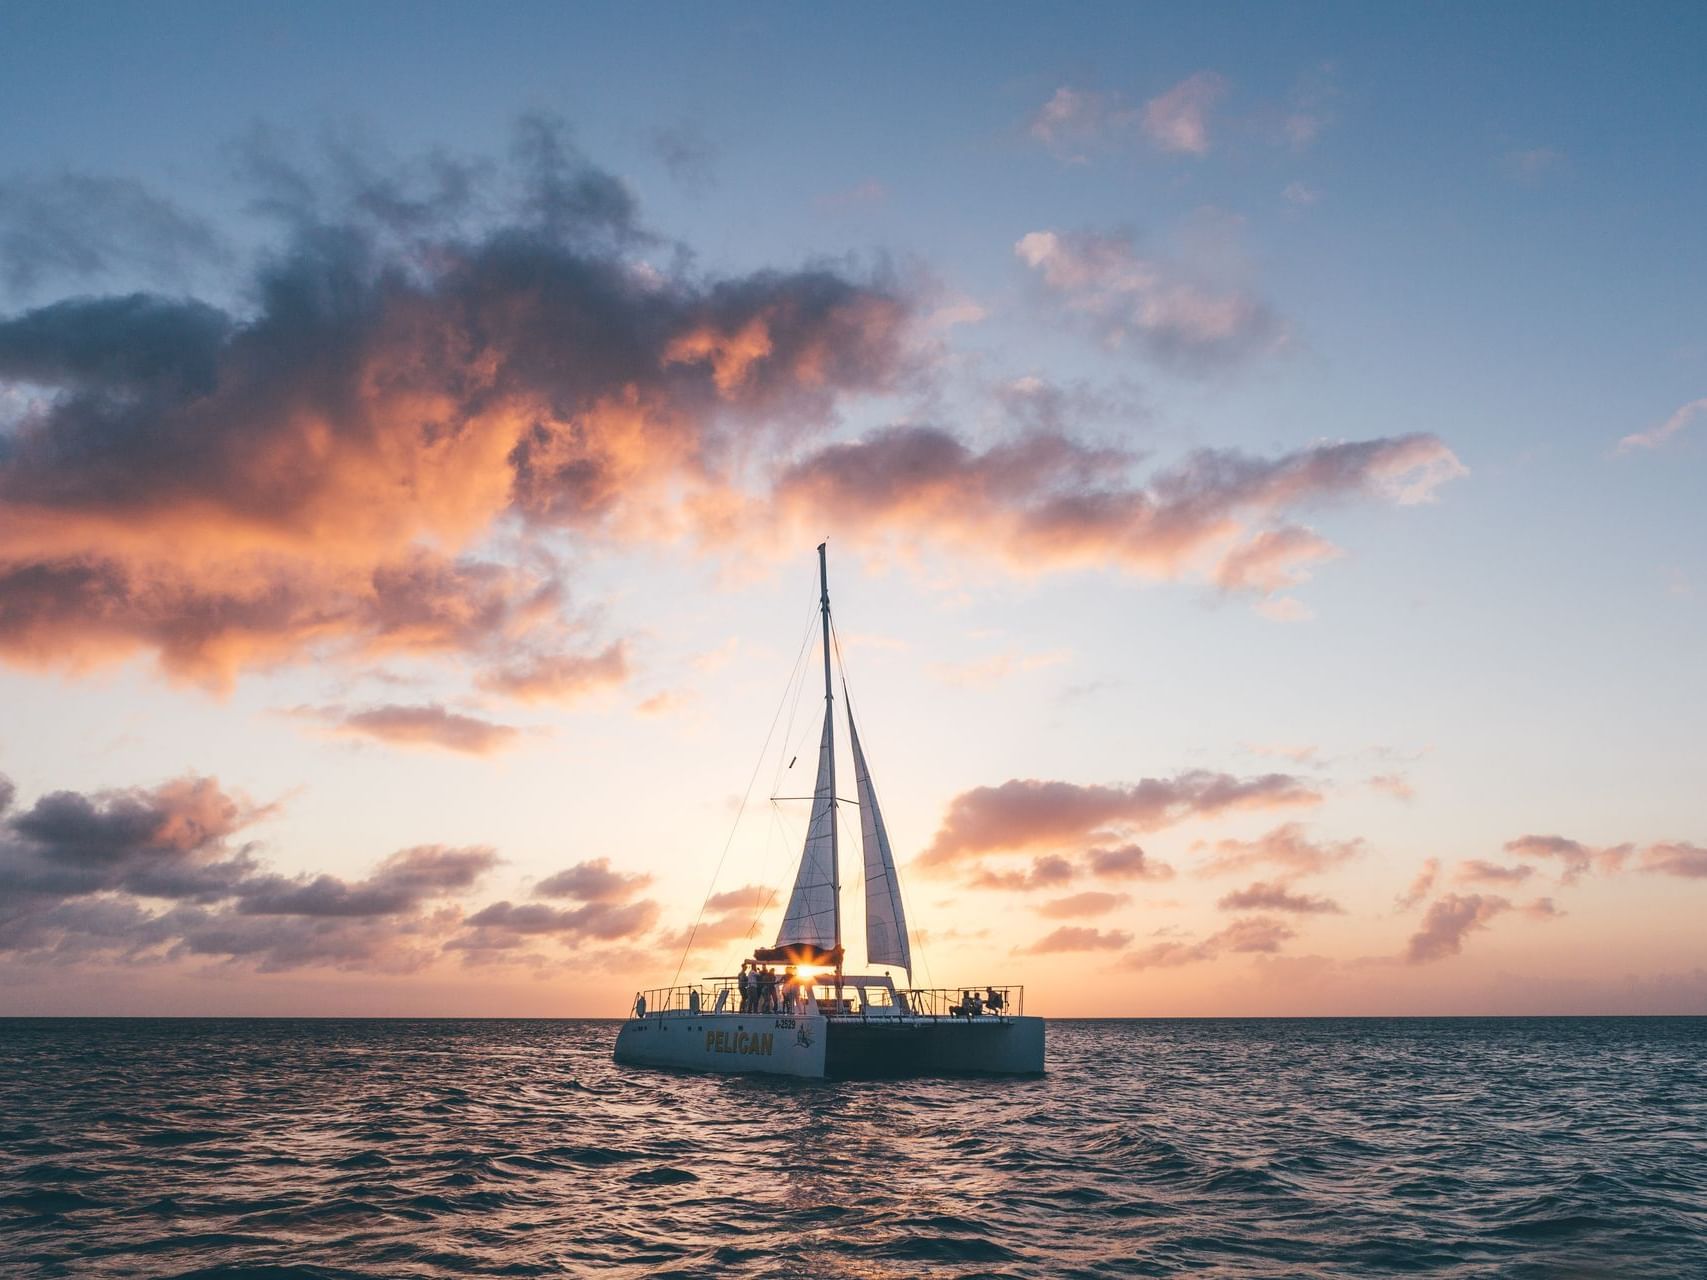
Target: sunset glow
[1262,474]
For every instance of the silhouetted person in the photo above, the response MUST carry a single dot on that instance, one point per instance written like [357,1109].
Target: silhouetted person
[993,1000]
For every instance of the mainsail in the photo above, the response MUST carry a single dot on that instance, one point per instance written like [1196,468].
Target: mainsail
[885,921]
[811,915]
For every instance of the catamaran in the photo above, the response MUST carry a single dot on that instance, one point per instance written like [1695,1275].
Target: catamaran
[815,1019]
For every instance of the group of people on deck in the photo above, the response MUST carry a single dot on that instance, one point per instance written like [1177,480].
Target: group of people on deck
[971,1004]
[764,990]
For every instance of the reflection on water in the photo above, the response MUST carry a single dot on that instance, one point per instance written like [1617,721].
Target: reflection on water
[1528,1147]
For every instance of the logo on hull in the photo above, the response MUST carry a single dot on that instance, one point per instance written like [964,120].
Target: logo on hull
[748,1042]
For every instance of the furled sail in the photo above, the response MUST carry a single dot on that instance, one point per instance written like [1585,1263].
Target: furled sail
[811,915]
[885,921]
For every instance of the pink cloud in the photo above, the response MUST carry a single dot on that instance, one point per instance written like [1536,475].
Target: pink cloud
[1044,501]
[592,881]
[1028,813]
[1252,935]
[1665,431]
[1077,906]
[1078,938]
[1178,120]
[1102,282]
[558,677]
[1277,897]
[1046,871]
[1676,859]
[1392,784]
[1273,560]
[430,725]
[1285,847]
[1448,921]
[1477,871]
[1421,886]
[1575,857]
[332,471]
[1075,121]
[1126,862]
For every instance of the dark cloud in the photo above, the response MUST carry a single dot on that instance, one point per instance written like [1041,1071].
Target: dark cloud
[1262,896]
[403,882]
[688,155]
[607,912]
[419,370]
[151,874]
[601,920]
[1126,862]
[594,881]
[116,345]
[1043,499]
[1027,813]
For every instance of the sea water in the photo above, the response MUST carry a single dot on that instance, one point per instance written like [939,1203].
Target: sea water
[1566,1147]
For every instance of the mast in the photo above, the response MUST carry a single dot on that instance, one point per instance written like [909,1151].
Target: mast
[830,733]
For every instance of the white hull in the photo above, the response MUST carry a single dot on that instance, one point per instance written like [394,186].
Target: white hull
[814,1046]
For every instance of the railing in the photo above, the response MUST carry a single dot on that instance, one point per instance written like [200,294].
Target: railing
[964,1002]
[722,995]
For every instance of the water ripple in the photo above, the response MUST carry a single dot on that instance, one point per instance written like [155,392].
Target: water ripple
[355,1150]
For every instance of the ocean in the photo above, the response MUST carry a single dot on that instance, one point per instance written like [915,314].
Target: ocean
[298,1149]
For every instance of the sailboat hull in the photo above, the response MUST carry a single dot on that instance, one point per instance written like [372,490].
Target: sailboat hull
[915,1047]
[813,1046]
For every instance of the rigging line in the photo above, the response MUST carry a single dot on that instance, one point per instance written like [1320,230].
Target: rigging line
[799,690]
[895,882]
[778,826]
[758,764]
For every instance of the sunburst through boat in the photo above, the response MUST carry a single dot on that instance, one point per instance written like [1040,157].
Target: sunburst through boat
[813,1018]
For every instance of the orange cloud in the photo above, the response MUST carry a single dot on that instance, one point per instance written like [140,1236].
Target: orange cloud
[332,470]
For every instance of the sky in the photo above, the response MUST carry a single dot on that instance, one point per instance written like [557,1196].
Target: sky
[1260,454]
